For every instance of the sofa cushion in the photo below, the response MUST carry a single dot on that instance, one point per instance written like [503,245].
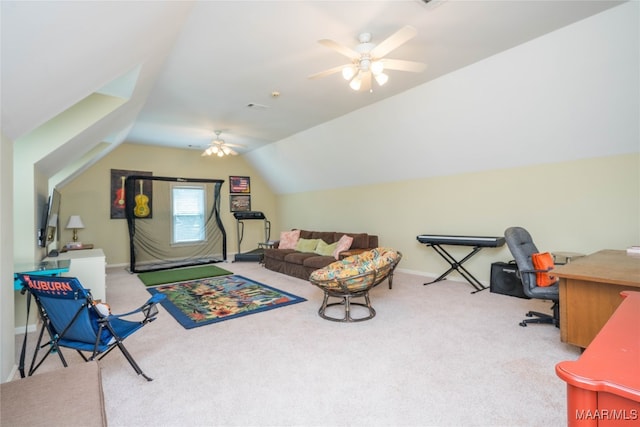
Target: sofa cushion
[277,254]
[297,257]
[307,245]
[343,244]
[327,236]
[289,239]
[360,241]
[306,234]
[325,249]
[318,261]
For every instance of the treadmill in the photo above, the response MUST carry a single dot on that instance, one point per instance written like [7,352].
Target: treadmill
[258,253]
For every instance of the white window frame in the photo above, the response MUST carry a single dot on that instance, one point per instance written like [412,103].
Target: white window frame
[202,238]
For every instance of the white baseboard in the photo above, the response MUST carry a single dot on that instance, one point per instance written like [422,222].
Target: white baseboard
[454,277]
[30,328]
[12,373]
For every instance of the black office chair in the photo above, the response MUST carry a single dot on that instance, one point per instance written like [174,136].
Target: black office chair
[522,248]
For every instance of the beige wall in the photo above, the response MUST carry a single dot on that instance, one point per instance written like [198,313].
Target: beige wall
[580,206]
[88,196]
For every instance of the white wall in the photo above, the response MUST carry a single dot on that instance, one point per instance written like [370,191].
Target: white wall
[7,339]
[545,135]
[571,94]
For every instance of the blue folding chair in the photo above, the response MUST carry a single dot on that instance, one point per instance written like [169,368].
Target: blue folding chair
[73,320]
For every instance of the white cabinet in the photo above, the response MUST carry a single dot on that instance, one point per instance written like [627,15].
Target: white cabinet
[89,266]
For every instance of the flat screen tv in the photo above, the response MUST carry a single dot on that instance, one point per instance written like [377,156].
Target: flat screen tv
[50,219]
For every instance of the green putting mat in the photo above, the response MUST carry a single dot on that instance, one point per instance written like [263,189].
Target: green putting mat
[153,278]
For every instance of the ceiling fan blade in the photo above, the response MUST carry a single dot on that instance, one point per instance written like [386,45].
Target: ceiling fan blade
[343,50]
[402,65]
[327,72]
[393,41]
[233,145]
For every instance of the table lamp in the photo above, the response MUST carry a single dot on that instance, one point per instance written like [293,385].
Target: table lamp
[75,222]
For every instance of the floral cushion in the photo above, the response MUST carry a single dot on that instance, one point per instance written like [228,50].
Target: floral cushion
[340,274]
[289,239]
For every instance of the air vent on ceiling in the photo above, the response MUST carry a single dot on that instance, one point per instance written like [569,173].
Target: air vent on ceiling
[256,106]
[431,4]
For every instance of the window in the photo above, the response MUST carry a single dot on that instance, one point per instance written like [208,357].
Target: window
[187,214]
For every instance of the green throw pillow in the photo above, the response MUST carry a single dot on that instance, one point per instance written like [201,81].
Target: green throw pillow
[307,245]
[325,249]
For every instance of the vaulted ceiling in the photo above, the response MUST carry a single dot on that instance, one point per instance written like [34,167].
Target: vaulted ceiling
[171,73]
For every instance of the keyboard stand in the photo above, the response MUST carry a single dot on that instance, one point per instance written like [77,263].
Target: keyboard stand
[457,266]
[477,242]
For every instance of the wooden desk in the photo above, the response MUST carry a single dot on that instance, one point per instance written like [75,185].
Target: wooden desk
[590,292]
[603,386]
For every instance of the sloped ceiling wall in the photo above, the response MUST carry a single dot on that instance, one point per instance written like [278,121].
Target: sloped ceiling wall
[129,41]
[570,94]
[112,42]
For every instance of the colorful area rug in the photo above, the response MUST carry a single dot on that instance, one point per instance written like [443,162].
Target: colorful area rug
[154,278]
[204,301]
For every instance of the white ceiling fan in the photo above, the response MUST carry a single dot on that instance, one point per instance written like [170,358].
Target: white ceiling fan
[368,59]
[218,147]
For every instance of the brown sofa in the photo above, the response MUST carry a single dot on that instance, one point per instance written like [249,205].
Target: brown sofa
[302,264]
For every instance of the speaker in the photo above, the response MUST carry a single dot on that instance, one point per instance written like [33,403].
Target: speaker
[505,280]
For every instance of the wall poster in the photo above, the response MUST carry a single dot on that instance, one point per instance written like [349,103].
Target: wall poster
[240,203]
[239,184]
[117,199]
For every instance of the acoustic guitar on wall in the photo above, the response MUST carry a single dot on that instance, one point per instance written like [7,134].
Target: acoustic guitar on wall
[142,204]
[119,200]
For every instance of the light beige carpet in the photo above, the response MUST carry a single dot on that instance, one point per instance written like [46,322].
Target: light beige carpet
[434,355]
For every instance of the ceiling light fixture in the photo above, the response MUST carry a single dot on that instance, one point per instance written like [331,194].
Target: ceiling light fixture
[356,82]
[218,147]
[368,60]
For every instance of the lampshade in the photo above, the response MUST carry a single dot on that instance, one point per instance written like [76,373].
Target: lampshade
[75,222]
[348,72]
[356,82]
[377,67]
[381,78]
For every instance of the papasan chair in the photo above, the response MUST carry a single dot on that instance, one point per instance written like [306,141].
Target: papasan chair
[353,277]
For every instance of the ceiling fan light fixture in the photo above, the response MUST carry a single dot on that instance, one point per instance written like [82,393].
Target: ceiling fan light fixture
[365,64]
[377,67]
[355,83]
[348,72]
[369,60]
[381,78]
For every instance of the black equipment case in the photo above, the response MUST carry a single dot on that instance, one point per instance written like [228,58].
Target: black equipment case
[505,279]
